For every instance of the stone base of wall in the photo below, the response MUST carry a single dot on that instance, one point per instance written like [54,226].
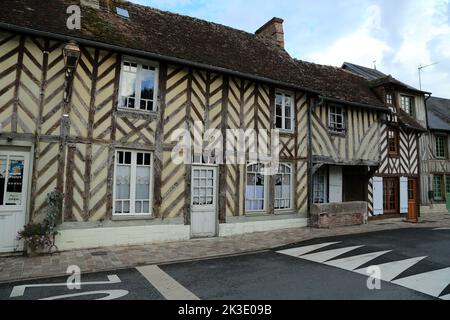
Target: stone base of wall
[434,208]
[332,215]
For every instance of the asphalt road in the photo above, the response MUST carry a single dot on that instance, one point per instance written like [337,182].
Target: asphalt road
[413,263]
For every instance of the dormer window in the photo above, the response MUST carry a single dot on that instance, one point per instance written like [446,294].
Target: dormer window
[407,104]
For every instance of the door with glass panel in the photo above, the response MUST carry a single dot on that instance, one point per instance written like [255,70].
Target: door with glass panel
[204,202]
[14,169]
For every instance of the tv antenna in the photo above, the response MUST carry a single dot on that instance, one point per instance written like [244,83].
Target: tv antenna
[420,68]
[374,64]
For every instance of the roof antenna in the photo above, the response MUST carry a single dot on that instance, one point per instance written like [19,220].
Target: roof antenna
[420,68]
[374,64]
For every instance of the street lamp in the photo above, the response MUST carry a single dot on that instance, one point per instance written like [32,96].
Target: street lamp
[71,53]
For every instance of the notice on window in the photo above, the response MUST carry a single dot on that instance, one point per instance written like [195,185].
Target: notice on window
[14,184]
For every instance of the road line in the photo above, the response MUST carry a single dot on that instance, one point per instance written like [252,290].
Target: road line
[438,229]
[353,262]
[431,283]
[446,297]
[296,252]
[323,256]
[390,270]
[165,284]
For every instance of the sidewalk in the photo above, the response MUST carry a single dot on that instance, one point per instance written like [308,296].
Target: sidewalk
[111,258]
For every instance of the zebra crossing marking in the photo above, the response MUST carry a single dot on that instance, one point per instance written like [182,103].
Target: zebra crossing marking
[431,283]
[296,252]
[323,256]
[353,262]
[390,270]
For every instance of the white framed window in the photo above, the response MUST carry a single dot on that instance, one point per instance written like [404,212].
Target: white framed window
[133,183]
[389,99]
[284,110]
[407,104]
[255,188]
[283,187]
[138,89]
[203,186]
[320,184]
[336,119]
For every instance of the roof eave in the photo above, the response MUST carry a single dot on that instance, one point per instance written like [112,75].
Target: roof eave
[356,104]
[150,55]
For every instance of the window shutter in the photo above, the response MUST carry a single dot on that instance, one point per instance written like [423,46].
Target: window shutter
[403,195]
[377,196]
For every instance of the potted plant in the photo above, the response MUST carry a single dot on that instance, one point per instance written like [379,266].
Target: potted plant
[40,237]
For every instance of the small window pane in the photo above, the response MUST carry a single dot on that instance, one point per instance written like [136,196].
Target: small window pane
[127,157]
[140,158]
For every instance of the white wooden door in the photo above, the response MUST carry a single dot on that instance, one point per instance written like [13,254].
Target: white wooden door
[403,195]
[14,170]
[377,196]
[204,202]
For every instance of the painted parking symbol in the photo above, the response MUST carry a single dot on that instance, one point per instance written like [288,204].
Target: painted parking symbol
[127,284]
[19,291]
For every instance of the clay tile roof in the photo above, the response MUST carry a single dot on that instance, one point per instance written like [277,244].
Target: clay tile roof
[166,34]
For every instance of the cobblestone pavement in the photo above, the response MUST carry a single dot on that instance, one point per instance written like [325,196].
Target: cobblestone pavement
[112,258]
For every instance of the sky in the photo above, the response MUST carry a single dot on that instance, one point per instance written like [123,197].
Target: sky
[400,35]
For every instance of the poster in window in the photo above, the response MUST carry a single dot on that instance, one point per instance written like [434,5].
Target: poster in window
[14,184]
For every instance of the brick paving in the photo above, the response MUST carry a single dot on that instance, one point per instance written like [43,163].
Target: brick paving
[111,258]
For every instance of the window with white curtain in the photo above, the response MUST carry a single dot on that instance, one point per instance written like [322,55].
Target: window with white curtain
[284,111]
[255,188]
[132,183]
[138,85]
[283,187]
[320,184]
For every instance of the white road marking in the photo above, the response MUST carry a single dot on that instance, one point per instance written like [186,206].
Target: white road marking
[431,283]
[351,263]
[437,229]
[296,252]
[390,270]
[328,255]
[446,297]
[165,284]
[110,295]
[19,291]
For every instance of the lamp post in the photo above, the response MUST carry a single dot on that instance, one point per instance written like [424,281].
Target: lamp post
[71,53]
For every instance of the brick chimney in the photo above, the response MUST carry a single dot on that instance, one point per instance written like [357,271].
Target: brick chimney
[273,30]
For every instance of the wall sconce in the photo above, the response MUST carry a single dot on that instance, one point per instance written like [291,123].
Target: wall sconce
[71,53]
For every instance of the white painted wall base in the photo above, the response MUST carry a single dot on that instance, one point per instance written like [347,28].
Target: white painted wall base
[230,229]
[96,237]
[88,238]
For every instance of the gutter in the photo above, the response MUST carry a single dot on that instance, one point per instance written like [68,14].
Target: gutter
[155,56]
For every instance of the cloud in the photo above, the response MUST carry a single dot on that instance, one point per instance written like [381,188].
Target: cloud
[360,46]
[399,34]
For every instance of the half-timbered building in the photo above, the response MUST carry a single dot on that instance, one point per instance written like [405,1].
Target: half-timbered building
[435,158]
[95,111]
[395,190]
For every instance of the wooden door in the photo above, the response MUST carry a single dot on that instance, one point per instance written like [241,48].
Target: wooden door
[14,168]
[204,219]
[391,196]
[412,200]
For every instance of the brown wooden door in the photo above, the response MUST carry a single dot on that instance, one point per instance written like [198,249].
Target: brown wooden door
[412,200]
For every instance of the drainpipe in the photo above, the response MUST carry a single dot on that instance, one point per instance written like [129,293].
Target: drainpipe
[310,161]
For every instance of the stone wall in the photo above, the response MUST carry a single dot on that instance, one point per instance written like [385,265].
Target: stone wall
[332,215]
